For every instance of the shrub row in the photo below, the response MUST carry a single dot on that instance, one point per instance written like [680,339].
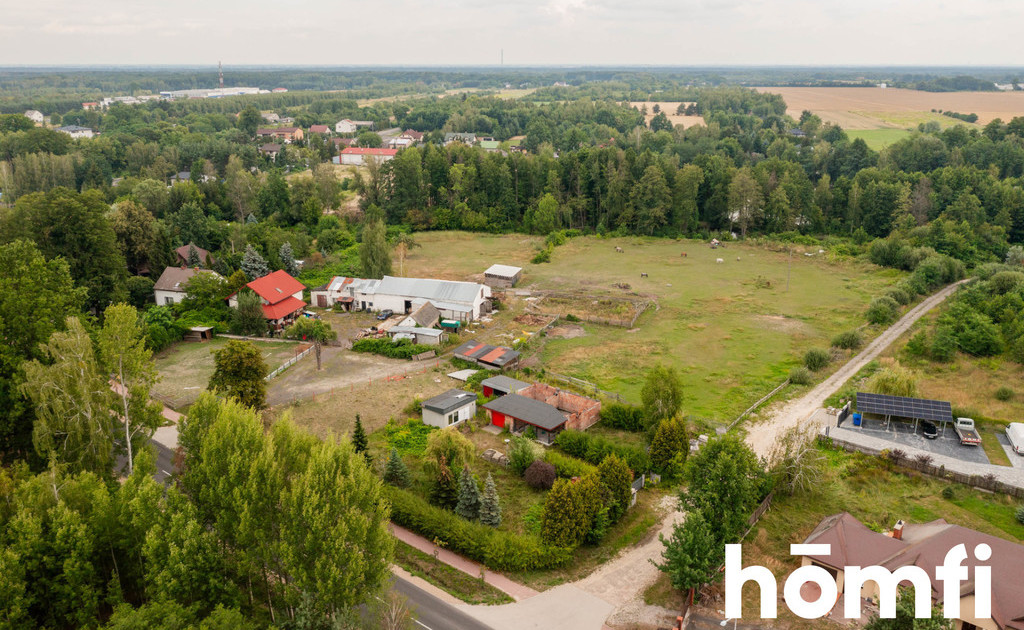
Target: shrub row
[400,349]
[568,467]
[625,417]
[594,448]
[498,550]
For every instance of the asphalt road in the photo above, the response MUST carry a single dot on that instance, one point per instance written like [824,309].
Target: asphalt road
[164,462]
[433,614]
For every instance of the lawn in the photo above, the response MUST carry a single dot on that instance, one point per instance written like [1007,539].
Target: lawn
[878,139]
[185,368]
[732,329]
[462,585]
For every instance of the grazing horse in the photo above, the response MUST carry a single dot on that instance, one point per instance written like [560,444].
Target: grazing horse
[620,250]
[683,254]
[719,260]
[643,275]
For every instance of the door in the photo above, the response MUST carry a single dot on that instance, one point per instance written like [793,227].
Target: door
[321,301]
[408,306]
[497,419]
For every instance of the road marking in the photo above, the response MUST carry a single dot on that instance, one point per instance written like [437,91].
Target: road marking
[165,472]
[417,621]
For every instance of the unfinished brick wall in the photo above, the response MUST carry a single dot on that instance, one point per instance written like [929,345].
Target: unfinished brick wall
[581,412]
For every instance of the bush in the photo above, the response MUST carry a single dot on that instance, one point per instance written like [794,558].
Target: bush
[895,380]
[918,345]
[800,376]
[540,475]
[397,349]
[625,417]
[568,467]
[883,310]
[542,256]
[947,493]
[409,438]
[1004,393]
[901,295]
[849,340]
[1020,515]
[498,550]
[592,449]
[816,359]
[943,344]
[521,455]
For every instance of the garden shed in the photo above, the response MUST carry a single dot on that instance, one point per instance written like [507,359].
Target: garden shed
[502,276]
[450,408]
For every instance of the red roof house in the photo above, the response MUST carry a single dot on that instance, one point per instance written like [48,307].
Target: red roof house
[319,129]
[281,295]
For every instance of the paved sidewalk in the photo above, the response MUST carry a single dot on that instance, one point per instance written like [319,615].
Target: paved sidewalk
[514,590]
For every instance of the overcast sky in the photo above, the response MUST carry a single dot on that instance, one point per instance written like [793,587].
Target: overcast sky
[532,32]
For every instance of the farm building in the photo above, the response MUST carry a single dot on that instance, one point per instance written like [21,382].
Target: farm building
[354,294]
[502,276]
[501,385]
[547,409]
[357,156]
[204,255]
[281,295]
[449,408]
[925,545]
[462,301]
[76,131]
[170,286]
[426,336]
[494,357]
[426,316]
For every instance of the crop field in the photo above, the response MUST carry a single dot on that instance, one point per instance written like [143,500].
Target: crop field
[670,111]
[893,108]
[732,329]
[186,367]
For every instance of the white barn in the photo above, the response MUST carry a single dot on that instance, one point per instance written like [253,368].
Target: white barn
[462,301]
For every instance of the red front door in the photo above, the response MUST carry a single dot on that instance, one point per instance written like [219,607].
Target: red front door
[497,419]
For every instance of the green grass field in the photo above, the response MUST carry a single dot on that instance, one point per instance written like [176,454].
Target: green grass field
[186,367]
[878,139]
[731,340]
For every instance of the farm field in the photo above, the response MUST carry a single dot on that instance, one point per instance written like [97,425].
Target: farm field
[731,340]
[186,367]
[669,107]
[877,108]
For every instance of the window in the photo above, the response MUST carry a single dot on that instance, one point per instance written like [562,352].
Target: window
[168,301]
[453,418]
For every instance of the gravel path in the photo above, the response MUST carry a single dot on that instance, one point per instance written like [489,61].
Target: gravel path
[762,437]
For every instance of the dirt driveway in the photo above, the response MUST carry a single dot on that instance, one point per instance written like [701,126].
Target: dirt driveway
[762,436]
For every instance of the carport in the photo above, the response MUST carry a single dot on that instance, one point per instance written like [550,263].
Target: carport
[916,409]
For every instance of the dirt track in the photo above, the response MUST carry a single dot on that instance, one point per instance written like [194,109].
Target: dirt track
[762,437]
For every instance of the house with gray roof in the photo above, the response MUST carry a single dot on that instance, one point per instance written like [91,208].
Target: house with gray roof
[501,385]
[170,286]
[450,408]
[461,301]
[518,413]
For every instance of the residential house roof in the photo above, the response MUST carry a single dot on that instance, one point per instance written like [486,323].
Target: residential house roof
[369,151]
[270,147]
[449,401]
[504,383]
[468,138]
[276,287]
[428,288]
[413,134]
[283,308]
[182,252]
[490,145]
[503,271]
[497,356]
[345,141]
[319,129]
[528,410]
[175,278]
[853,544]
[73,128]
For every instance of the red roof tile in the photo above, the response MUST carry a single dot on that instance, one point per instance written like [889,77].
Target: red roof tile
[492,355]
[276,287]
[319,129]
[283,308]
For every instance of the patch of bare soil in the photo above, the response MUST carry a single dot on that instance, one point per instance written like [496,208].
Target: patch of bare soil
[527,319]
[568,331]
[781,323]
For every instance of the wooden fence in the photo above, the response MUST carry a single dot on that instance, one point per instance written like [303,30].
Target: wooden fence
[985,482]
[638,309]
[758,404]
[584,385]
[290,362]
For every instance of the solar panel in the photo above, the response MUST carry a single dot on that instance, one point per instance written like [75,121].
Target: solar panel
[919,408]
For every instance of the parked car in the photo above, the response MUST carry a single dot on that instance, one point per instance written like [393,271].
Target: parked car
[930,430]
[386,313]
[968,434]
[1015,433]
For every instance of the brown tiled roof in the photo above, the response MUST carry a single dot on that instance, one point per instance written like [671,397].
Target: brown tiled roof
[853,544]
[174,278]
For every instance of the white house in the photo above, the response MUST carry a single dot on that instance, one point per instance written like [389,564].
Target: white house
[357,156]
[170,286]
[450,408]
[35,116]
[76,132]
[345,126]
[354,294]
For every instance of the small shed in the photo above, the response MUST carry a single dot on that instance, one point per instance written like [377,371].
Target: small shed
[501,385]
[502,276]
[199,333]
[517,413]
[427,336]
[426,316]
[450,408]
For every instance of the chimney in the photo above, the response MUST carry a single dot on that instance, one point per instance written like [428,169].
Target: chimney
[897,530]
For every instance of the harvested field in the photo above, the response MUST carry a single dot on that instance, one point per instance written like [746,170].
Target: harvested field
[669,107]
[888,108]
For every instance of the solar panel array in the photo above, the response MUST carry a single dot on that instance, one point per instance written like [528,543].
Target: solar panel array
[920,408]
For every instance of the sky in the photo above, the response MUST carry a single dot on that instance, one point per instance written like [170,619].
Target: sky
[531,32]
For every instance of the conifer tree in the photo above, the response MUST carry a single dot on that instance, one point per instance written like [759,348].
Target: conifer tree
[490,506]
[288,259]
[253,264]
[469,496]
[396,473]
[445,492]
[670,444]
[193,257]
[359,436]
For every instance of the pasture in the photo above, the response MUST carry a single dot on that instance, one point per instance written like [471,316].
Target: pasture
[878,139]
[894,108]
[732,329]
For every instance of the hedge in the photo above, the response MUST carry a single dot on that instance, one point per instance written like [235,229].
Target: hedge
[501,551]
[594,448]
[400,349]
[568,467]
[625,417]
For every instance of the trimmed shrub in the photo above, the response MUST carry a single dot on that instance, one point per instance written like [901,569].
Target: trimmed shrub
[540,475]
[800,376]
[625,417]
[592,449]
[883,310]
[497,550]
[568,467]
[816,359]
[849,340]
[1004,393]
[400,349]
